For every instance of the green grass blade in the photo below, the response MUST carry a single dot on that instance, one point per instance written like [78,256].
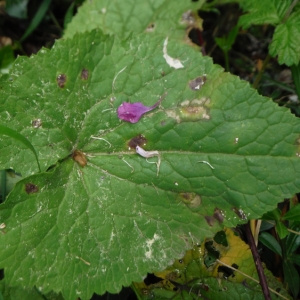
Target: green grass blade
[36,19]
[19,137]
[269,241]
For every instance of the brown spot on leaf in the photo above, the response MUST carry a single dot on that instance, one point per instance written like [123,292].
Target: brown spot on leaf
[218,215]
[36,123]
[240,213]
[61,80]
[197,83]
[84,74]
[189,18]
[210,220]
[205,287]
[138,140]
[150,27]
[31,188]
[79,157]
[191,111]
[190,199]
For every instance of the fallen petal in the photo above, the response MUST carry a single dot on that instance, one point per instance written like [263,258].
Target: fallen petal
[132,112]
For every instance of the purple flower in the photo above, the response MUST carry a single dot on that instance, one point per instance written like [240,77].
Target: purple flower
[132,112]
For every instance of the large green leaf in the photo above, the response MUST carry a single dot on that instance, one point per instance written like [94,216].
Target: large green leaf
[122,17]
[227,155]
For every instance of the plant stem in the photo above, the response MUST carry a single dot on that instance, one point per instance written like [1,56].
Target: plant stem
[262,70]
[259,268]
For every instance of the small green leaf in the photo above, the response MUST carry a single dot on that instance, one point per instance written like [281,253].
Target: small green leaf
[275,215]
[291,277]
[266,225]
[281,230]
[21,138]
[285,41]
[226,43]
[263,12]
[293,214]
[269,241]
[293,240]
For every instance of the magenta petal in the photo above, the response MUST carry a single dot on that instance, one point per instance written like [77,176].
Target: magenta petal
[132,112]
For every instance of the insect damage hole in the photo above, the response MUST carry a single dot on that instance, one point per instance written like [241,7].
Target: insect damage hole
[197,83]
[148,154]
[150,27]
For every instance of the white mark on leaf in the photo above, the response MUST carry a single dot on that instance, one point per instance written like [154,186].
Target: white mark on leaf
[149,244]
[128,164]
[114,80]
[172,62]
[148,154]
[102,139]
[205,162]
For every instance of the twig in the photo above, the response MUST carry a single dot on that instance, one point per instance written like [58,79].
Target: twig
[262,70]
[253,279]
[259,268]
[289,230]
